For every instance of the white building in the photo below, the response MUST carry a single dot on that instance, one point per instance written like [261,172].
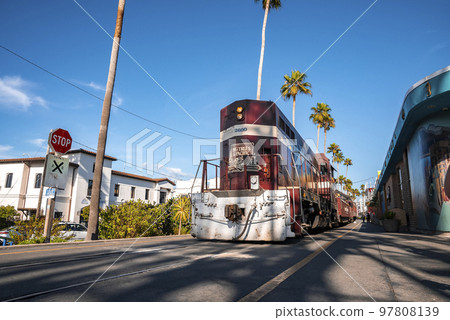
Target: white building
[184,187]
[20,181]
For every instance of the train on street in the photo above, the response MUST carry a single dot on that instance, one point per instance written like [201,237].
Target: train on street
[268,185]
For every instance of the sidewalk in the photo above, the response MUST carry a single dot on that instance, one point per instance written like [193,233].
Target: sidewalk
[417,266]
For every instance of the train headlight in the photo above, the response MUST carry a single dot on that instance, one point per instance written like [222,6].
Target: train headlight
[239,113]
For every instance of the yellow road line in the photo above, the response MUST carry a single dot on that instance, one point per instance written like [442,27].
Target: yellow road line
[269,286]
[82,246]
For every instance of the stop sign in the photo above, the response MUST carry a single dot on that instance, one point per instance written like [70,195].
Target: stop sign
[60,140]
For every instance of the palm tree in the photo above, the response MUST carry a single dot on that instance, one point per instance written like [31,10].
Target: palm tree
[267,5]
[328,123]
[341,181]
[347,162]
[333,149]
[182,210]
[319,116]
[363,193]
[338,158]
[294,85]
[348,185]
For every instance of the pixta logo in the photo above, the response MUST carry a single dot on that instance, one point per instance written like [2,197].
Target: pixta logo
[145,148]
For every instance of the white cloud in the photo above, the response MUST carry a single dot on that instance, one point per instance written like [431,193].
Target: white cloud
[14,94]
[4,151]
[95,86]
[37,142]
[117,101]
[176,173]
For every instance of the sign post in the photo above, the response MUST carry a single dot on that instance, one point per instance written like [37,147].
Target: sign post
[55,171]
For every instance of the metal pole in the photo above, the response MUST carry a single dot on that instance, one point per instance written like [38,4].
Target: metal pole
[41,190]
[92,233]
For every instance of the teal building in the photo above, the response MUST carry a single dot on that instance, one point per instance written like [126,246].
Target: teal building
[415,178]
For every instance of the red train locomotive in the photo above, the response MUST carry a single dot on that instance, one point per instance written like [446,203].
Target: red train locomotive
[271,185]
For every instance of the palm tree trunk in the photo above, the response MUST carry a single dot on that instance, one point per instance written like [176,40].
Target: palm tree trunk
[179,227]
[318,131]
[325,141]
[293,112]
[346,172]
[263,44]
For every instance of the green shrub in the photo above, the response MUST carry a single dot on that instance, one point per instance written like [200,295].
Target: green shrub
[32,231]
[389,215]
[7,214]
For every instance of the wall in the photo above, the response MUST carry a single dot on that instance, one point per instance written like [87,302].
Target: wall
[429,159]
[125,189]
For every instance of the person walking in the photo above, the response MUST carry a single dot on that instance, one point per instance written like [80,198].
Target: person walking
[364,218]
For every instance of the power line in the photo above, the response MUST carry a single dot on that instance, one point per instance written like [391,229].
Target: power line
[126,162]
[97,97]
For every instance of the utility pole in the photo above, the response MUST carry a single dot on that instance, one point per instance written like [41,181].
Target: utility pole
[41,190]
[92,233]
[49,219]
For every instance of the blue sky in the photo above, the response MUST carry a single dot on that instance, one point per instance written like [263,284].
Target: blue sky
[205,54]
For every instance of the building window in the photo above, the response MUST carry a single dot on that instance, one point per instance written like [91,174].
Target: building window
[89,190]
[9,177]
[93,167]
[38,180]
[147,191]
[116,190]
[133,192]
[58,215]
[162,197]
[401,185]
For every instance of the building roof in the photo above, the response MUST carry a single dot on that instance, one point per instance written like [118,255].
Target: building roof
[37,159]
[129,175]
[428,97]
[92,153]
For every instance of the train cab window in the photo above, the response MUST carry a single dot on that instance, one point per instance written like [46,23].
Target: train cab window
[282,124]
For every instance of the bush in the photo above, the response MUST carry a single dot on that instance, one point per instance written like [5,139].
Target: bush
[389,215]
[7,214]
[32,231]
[135,219]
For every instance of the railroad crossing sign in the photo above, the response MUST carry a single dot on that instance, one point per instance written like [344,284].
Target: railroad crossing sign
[60,141]
[55,172]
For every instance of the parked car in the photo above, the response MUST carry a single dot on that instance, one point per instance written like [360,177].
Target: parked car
[6,236]
[77,230]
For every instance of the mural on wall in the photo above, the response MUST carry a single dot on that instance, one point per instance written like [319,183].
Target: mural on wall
[429,161]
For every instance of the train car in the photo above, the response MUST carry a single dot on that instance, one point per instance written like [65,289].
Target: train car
[346,209]
[269,184]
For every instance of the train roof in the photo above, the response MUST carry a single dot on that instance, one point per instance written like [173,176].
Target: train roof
[269,114]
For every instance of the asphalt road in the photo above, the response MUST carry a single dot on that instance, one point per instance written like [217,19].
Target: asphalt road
[356,262]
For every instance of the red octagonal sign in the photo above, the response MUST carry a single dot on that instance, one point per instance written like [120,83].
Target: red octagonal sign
[60,141]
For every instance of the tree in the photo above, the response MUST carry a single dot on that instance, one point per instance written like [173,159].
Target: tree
[347,162]
[348,185]
[319,116]
[328,123]
[182,210]
[333,149]
[341,181]
[7,214]
[267,5]
[294,85]
[363,193]
[338,158]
